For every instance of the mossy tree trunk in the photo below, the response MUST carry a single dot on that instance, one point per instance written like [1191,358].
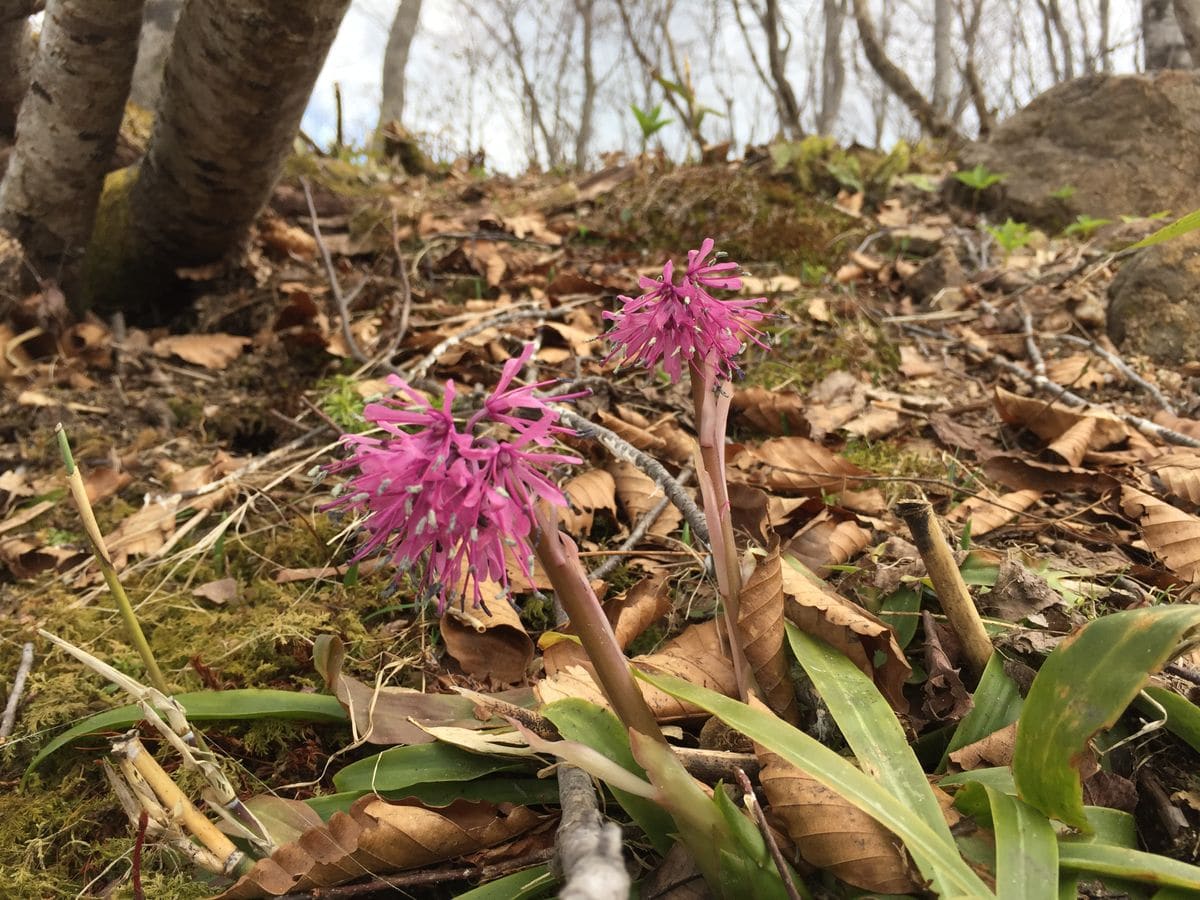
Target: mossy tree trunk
[16,46]
[237,81]
[67,128]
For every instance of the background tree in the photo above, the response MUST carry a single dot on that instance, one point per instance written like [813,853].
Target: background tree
[395,61]
[15,54]
[1187,16]
[1162,40]
[158,29]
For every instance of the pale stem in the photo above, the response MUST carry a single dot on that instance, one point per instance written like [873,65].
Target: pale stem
[560,558]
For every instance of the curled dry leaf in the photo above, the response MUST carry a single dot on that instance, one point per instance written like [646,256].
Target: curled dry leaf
[825,542]
[994,750]
[630,614]
[818,610]
[26,560]
[638,494]
[761,630]
[375,836]
[1022,474]
[831,833]
[143,532]
[1072,445]
[1172,535]
[490,644]
[987,512]
[588,493]
[793,463]
[212,351]
[1179,472]
[380,715]
[1049,421]
[696,654]
[1080,371]
[773,412]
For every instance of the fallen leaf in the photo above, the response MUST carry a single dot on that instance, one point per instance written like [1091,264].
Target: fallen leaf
[761,630]
[489,644]
[143,532]
[876,422]
[1172,535]
[773,412]
[212,351]
[1050,421]
[793,463]
[1078,372]
[994,750]
[638,493]
[1179,472]
[219,592]
[825,541]
[25,560]
[22,516]
[588,493]
[987,512]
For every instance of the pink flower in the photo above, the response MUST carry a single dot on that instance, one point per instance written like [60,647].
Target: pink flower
[673,323]
[454,499]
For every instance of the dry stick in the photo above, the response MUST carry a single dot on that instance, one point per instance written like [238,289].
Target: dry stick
[18,687]
[1145,426]
[421,367]
[343,302]
[625,451]
[1031,348]
[1123,367]
[107,569]
[635,537]
[760,819]
[587,848]
[947,581]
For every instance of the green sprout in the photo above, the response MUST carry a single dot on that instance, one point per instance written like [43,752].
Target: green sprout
[1085,226]
[979,178]
[1011,235]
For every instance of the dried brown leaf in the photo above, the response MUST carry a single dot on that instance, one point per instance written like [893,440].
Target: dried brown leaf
[489,644]
[773,412]
[1079,371]
[143,532]
[377,836]
[994,750]
[1072,445]
[638,494]
[818,610]
[825,542]
[793,463]
[761,630]
[1172,535]
[831,833]
[1023,474]
[1049,420]
[988,512]
[630,614]
[588,493]
[1179,472]
[212,351]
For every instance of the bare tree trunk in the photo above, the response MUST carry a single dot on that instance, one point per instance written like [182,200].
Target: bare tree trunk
[833,66]
[789,109]
[587,109]
[897,82]
[1105,39]
[395,61]
[67,129]
[943,57]
[1187,14]
[238,78]
[16,56]
[158,28]
[1161,37]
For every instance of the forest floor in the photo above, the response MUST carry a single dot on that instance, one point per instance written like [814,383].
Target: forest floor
[913,354]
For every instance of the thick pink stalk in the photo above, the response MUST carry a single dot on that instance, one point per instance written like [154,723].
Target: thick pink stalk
[560,558]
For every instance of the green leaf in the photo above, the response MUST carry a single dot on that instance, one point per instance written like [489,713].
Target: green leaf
[1183,716]
[521,791]
[399,768]
[870,728]
[950,874]
[1083,687]
[900,611]
[1026,852]
[578,720]
[747,869]
[528,884]
[1133,865]
[1181,226]
[208,706]
[997,704]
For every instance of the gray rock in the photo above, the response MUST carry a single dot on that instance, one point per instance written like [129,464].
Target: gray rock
[1154,302]
[1126,144]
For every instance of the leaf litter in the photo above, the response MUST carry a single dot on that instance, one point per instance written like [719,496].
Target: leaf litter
[196,449]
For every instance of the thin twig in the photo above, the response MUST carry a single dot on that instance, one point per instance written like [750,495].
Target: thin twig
[623,450]
[1123,367]
[587,849]
[405,289]
[343,302]
[635,537]
[18,687]
[1031,348]
[760,819]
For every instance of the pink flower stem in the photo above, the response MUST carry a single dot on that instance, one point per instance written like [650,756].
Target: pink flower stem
[712,396]
[560,558]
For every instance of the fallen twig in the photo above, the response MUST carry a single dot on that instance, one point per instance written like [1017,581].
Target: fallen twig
[18,688]
[760,819]
[639,531]
[1121,366]
[343,302]
[587,849]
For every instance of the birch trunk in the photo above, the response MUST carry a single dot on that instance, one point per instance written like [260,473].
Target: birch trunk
[1187,15]
[67,129]
[16,54]
[943,58]
[1162,40]
[237,81]
[158,28]
[395,61]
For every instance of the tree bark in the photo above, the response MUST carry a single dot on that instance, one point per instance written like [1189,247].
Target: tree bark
[1187,14]
[16,56]
[943,58]
[1162,39]
[789,109]
[897,82]
[585,9]
[237,81]
[833,66]
[158,28]
[67,129]
[395,61]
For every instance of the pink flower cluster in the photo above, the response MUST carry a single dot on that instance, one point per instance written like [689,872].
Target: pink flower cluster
[673,323]
[455,497]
